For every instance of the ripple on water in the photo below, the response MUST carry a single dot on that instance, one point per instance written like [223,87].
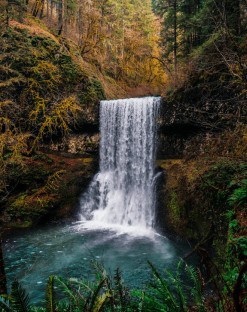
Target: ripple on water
[69,251]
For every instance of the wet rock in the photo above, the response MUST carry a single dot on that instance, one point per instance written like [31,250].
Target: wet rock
[188,119]
[48,189]
[76,144]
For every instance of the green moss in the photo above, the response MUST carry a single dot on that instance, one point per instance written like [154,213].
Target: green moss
[41,74]
[204,191]
[43,157]
[174,208]
[23,225]
[207,203]
[19,203]
[45,188]
[87,160]
[93,92]
[25,206]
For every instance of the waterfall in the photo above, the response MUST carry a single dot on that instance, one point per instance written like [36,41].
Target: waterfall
[123,192]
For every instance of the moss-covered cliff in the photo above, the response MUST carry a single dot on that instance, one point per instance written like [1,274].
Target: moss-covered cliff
[203,200]
[47,99]
[46,188]
[42,80]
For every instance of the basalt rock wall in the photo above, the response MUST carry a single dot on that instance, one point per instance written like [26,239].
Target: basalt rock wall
[185,122]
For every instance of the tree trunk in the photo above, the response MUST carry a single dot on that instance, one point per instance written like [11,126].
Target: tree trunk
[175,44]
[3,282]
[232,11]
[42,9]
[65,16]
[47,10]
[80,26]
[60,17]
[7,15]
[51,10]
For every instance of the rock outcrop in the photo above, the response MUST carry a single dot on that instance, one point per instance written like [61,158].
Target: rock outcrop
[191,116]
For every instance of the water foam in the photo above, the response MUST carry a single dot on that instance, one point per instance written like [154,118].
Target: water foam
[122,194]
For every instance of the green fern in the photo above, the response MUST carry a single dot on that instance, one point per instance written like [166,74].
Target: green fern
[4,304]
[166,293]
[92,299]
[72,297]
[101,301]
[169,293]
[121,292]
[179,286]
[50,295]
[163,293]
[39,309]
[196,289]
[239,195]
[19,298]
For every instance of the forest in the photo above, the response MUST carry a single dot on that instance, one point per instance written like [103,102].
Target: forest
[59,59]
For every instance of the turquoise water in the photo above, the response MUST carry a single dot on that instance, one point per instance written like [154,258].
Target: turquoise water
[117,212]
[68,251]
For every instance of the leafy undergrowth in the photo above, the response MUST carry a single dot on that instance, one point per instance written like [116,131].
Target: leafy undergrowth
[43,89]
[165,292]
[45,94]
[205,197]
[182,290]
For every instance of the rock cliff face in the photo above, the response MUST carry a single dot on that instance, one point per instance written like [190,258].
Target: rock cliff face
[182,125]
[186,120]
[49,188]
[183,133]
[202,141]
[77,144]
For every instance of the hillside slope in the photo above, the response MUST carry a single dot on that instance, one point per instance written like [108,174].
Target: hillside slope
[46,94]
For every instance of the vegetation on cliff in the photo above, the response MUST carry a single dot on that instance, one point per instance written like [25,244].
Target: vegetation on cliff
[205,196]
[42,98]
[118,41]
[204,44]
[59,58]
[204,39]
[58,61]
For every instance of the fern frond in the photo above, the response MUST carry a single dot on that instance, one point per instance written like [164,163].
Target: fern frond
[163,288]
[19,298]
[5,304]
[54,181]
[196,290]
[180,287]
[101,300]
[66,289]
[120,289]
[95,295]
[50,295]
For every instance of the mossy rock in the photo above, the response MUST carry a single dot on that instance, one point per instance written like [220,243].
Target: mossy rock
[198,195]
[47,190]
[40,72]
